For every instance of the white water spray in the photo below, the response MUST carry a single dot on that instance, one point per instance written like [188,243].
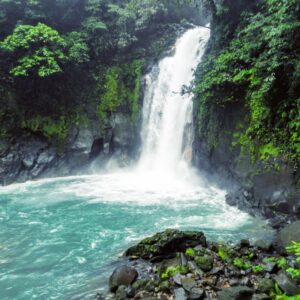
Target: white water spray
[167,112]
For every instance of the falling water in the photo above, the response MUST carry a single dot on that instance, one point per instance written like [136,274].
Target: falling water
[167,112]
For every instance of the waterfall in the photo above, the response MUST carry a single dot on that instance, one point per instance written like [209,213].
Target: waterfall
[167,112]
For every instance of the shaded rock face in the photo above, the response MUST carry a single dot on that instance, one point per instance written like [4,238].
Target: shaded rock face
[27,159]
[32,156]
[166,244]
[271,193]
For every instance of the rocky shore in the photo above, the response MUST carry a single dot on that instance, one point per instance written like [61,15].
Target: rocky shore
[185,266]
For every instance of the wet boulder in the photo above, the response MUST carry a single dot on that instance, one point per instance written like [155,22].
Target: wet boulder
[286,235]
[166,244]
[287,284]
[122,276]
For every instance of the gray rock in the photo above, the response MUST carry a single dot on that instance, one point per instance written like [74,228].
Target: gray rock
[122,131]
[183,260]
[177,278]
[10,167]
[205,262]
[140,284]
[246,281]
[245,243]
[150,286]
[83,141]
[236,293]
[28,160]
[180,294]
[130,292]
[234,282]
[121,293]
[261,297]
[265,286]
[122,276]
[194,268]
[165,287]
[264,245]
[166,243]
[288,234]
[196,294]
[288,285]
[188,283]
[270,266]
[216,271]
[46,157]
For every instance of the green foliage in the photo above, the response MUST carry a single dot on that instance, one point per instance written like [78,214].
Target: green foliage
[279,295]
[225,253]
[122,90]
[241,264]
[285,297]
[190,252]
[281,262]
[41,50]
[258,69]
[172,270]
[76,47]
[113,93]
[244,264]
[249,255]
[295,249]
[295,273]
[55,130]
[257,268]
[61,57]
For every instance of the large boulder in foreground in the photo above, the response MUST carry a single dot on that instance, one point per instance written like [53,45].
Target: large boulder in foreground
[288,234]
[166,244]
[122,276]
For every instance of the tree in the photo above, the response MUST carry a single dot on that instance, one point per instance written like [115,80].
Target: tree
[41,50]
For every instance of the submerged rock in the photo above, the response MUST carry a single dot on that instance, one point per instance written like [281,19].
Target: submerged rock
[122,276]
[166,244]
